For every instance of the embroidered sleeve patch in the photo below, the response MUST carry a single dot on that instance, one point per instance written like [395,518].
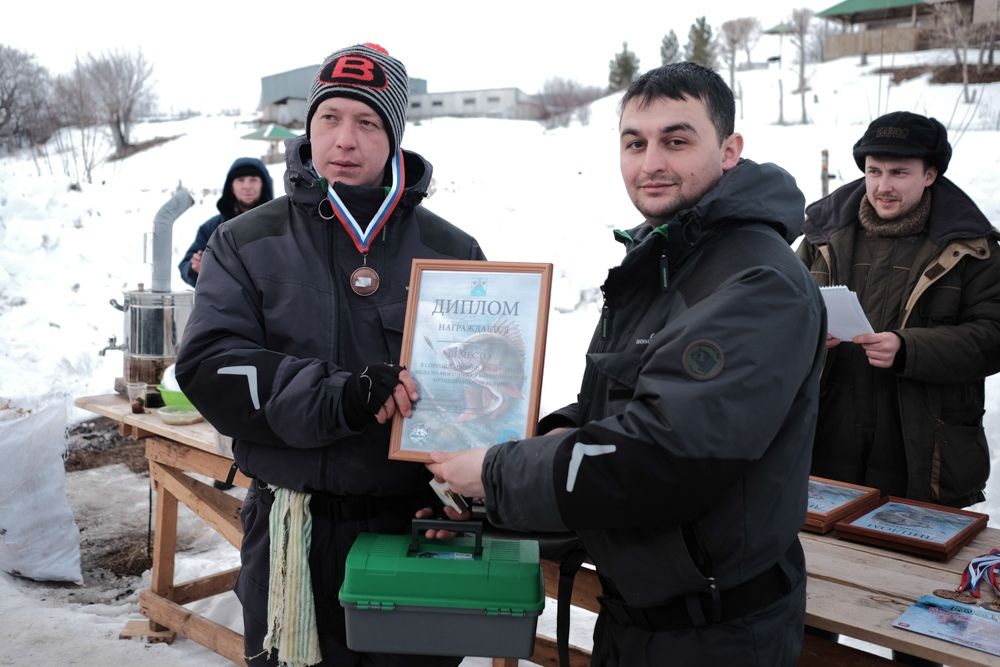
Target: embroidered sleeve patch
[703,360]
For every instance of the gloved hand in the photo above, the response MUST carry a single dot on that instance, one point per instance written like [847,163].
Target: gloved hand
[367,391]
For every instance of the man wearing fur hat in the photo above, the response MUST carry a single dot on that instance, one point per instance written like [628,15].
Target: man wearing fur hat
[293,350]
[902,408]
[248,185]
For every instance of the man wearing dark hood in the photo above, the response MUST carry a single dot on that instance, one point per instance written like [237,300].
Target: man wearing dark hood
[248,185]
[683,466]
[293,350]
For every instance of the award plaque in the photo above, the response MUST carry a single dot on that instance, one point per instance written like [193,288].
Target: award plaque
[831,500]
[925,529]
[474,342]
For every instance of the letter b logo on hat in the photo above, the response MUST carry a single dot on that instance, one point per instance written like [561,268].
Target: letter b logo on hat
[366,73]
[353,70]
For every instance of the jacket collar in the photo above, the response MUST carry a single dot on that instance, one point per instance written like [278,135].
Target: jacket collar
[304,186]
[746,194]
[953,214]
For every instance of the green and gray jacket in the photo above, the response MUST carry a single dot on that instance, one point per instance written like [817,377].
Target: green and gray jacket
[949,322]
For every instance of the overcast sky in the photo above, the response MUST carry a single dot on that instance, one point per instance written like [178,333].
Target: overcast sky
[208,55]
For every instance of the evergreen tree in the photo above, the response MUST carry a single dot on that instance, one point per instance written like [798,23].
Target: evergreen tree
[623,69]
[670,49]
[701,45]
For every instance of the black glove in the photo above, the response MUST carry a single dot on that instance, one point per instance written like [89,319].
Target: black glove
[366,392]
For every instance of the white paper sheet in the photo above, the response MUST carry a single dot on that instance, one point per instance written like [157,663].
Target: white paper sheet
[845,317]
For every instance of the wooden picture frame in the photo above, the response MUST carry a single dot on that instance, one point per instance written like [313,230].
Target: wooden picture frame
[474,341]
[831,500]
[925,529]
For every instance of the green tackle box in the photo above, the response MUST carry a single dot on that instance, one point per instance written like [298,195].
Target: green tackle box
[467,596]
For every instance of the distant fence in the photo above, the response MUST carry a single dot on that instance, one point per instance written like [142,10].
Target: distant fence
[876,40]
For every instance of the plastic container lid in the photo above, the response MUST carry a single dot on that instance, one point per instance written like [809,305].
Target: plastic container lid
[171,414]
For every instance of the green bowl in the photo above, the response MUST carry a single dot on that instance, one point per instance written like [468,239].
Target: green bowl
[175,399]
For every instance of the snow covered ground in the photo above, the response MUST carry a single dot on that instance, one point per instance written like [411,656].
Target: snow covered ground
[527,194]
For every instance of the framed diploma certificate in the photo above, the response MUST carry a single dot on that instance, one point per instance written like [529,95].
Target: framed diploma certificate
[925,529]
[474,341]
[831,500]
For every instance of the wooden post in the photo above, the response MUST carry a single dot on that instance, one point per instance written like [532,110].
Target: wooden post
[781,102]
[824,172]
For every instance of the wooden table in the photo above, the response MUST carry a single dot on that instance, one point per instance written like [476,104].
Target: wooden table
[853,589]
[173,453]
[859,590]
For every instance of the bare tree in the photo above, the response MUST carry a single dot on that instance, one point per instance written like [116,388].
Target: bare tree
[79,142]
[749,34]
[24,90]
[120,81]
[743,33]
[953,31]
[561,98]
[729,46]
[801,30]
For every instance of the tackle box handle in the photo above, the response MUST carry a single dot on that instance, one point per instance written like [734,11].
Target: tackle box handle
[419,525]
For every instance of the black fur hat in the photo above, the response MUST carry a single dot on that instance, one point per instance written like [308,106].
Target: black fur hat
[907,135]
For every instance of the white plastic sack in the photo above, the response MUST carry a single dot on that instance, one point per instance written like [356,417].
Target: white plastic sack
[39,538]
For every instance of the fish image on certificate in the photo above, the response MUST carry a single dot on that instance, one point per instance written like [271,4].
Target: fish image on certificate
[473,353]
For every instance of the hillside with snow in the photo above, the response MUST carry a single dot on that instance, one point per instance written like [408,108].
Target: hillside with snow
[527,193]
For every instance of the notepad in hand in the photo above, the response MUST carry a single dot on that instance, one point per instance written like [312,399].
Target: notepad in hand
[845,318]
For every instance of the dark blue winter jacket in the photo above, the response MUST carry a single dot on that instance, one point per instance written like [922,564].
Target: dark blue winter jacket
[227,210]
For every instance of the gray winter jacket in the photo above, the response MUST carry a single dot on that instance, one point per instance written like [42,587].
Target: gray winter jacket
[689,448]
[276,331]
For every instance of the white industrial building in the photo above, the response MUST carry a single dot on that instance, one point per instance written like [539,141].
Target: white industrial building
[283,100]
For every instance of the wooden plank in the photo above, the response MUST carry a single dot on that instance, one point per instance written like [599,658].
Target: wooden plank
[200,435]
[214,636]
[164,540]
[859,590]
[185,458]
[819,652]
[203,587]
[586,585]
[869,616]
[219,510]
[872,572]
[144,629]
[164,536]
[547,653]
[887,557]
[114,406]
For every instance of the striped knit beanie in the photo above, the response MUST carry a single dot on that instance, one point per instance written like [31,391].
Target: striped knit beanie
[366,73]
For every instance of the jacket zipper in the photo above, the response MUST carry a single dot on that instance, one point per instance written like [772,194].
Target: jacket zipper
[606,319]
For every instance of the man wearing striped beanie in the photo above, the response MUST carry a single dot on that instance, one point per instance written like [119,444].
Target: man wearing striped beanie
[366,73]
[293,350]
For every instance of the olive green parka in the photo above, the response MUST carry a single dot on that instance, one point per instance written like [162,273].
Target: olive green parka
[949,323]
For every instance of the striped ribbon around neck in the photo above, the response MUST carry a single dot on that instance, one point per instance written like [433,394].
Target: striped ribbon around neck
[363,237]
